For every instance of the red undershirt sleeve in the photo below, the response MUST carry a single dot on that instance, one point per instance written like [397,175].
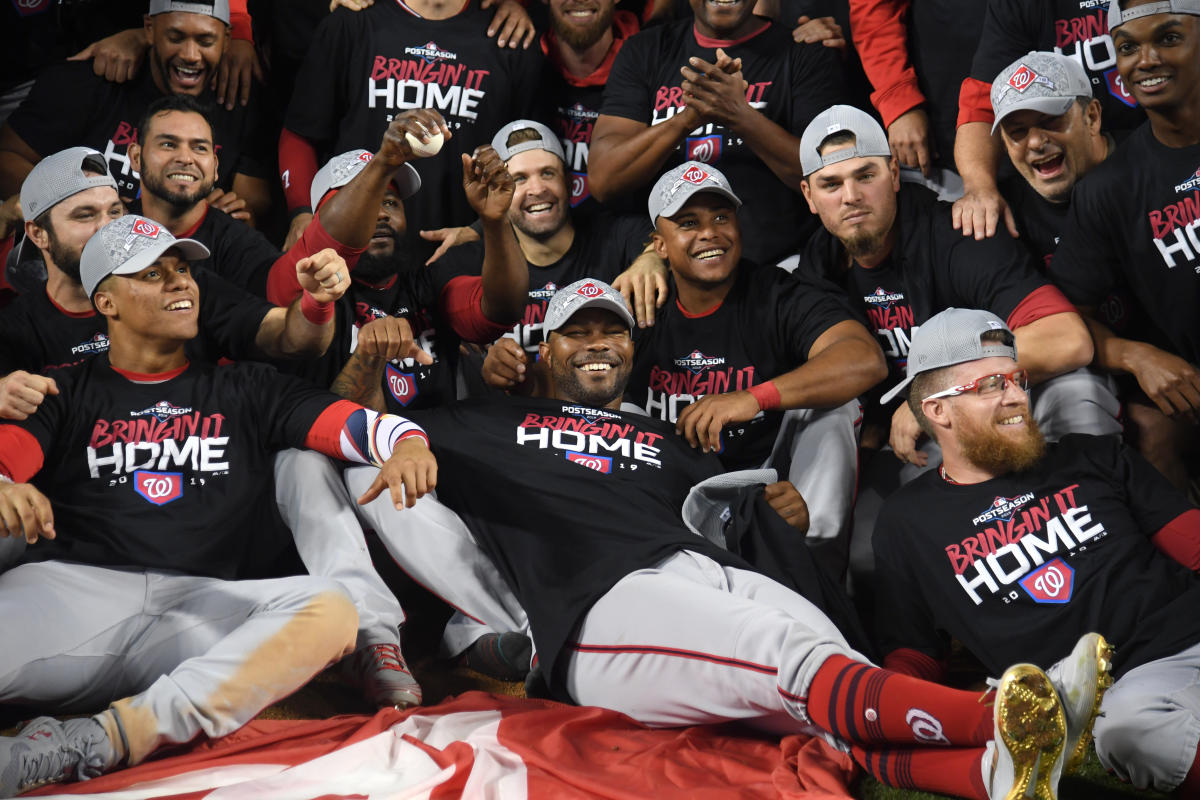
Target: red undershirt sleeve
[462,304]
[1180,539]
[916,664]
[282,285]
[880,37]
[1041,302]
[239,20]
[297,168]
[326,433]
[975,102]
[20,453]
[6,246]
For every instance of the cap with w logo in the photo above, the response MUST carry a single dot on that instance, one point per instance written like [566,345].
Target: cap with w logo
[128,245]
[672,191]
[1039,81]
[587,293]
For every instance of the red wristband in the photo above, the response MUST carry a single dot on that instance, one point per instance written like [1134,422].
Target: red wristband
[767,396]
[316,312]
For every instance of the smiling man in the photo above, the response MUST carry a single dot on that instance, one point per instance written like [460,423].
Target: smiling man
[675,94]
[135,496]
[1135,222]
[187,40]
[756,365]
[557,248]
[69,196]
[893,248]
[1051,128]
[1018,548]
[633,611]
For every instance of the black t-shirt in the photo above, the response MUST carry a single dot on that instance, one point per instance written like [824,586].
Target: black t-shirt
[765,327]
[887,310]
[239,253]
[1020,566]
[367,66]
[943,36]
[571,112]
[603,248]
[1040,222]
[170,475]
[789,84]
[566,499]
[1135,221]
[407,384]
[1077,28]
[71,106]
[932,267]
[39,336]
[36,33]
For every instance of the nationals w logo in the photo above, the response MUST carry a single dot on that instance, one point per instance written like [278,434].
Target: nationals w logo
[158,488]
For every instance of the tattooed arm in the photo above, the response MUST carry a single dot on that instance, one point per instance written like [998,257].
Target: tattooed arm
[379,341]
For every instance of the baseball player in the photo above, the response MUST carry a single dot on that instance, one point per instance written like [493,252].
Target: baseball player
[148,484]
[1016,547]
[558,247]
[69,105]
[633,610]
[375,361]
[68,197]
[1133,223]
[754,363]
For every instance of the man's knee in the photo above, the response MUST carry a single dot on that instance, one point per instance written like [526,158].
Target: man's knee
[1137,739]
[331,620]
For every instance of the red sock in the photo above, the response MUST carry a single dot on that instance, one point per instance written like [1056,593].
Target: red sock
[1190,788]
[949,770]
[862,704]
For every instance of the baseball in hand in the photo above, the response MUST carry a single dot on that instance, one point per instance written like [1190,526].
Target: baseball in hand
[429,148]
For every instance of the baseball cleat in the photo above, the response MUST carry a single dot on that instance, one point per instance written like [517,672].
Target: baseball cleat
[504,656]
[1081,679]
[1028,727]
[51,751]
[383,675]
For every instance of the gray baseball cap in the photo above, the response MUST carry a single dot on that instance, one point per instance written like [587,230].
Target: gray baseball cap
[1117,16]
[128,245]
[217,8]
[676,186]
[57,177]
[1039,81]
[585,293]
[953,337]
[546,140]
[343,167]
[869,138]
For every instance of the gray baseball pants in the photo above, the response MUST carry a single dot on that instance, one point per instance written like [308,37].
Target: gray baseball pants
[1149,727]
[171,655]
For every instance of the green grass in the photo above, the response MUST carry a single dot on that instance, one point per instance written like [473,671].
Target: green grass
[1090,783]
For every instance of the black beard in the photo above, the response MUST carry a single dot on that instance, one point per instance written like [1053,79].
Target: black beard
[178,201]
[65,260]
[376,269]
[569,387]
[577,39]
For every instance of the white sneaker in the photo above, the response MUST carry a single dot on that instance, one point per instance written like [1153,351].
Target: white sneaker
[1028,727]
[1081,680]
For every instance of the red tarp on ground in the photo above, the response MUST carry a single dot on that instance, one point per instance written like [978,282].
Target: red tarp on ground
[479,745]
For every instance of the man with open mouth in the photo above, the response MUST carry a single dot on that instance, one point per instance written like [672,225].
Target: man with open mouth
[187,41]
[636,609]
[1134,224]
